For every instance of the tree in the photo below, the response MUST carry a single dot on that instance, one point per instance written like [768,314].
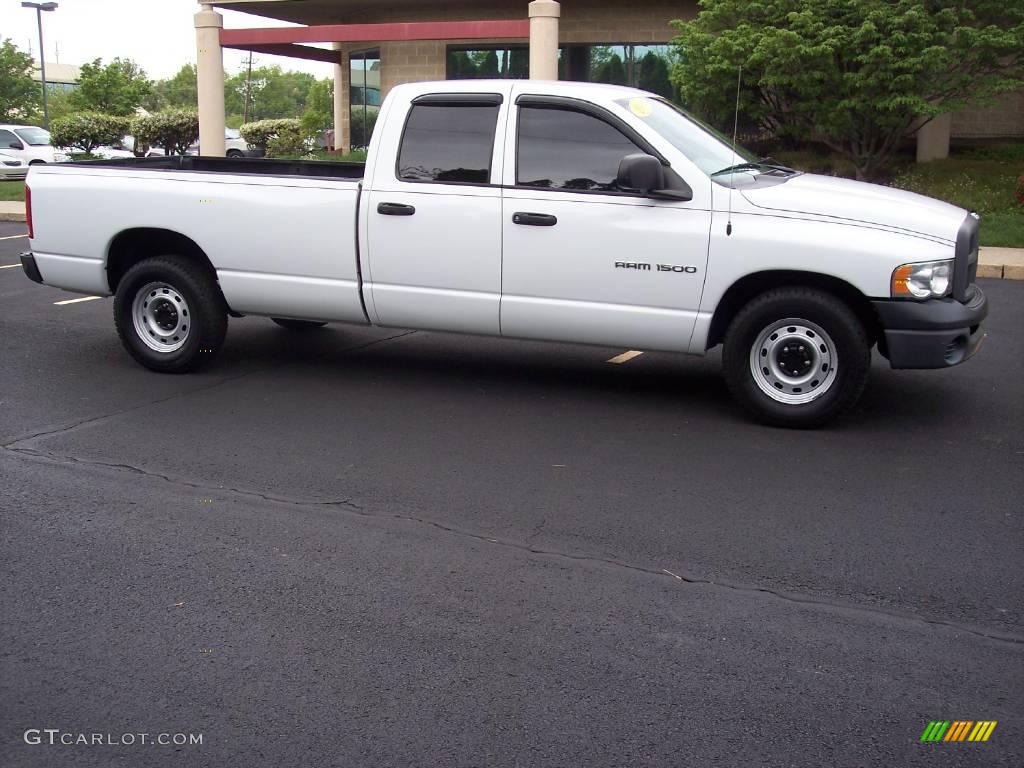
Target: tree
[519,64]
[613,71]
[88,130]
[179,91]
[119,88]
[858,75]
[489,68]
[654,75]
[20,95]
[460,66]
[274,93]
[319,114]
[173,129]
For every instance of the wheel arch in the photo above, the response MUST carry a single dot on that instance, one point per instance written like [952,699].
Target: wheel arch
[756,283]
[133,245]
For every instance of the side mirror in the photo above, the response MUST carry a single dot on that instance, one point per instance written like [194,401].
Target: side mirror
[640,173]
[14,145]
[646,176]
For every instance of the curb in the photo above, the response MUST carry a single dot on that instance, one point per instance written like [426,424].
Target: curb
[8,216]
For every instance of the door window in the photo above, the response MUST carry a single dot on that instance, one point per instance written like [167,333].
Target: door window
[9,141]
[450,143]
[569,150]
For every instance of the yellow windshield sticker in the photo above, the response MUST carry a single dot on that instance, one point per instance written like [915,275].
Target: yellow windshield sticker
[640,107]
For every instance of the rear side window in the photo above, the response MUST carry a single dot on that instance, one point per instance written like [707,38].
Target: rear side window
[448,143]
[569,150]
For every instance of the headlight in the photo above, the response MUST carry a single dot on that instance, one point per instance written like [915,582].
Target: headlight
[924,280]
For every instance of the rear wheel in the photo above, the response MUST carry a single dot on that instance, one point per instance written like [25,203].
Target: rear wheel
[170,314]
[796,357]
[298,325]
[235,153]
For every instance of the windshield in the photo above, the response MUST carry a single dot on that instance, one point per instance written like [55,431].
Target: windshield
[707,148]
[231,134]
[37,137]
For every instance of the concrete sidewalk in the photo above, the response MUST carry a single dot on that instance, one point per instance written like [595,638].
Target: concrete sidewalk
[12,211]
[1005,263]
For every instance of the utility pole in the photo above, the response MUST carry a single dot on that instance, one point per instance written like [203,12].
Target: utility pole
[248,90]
[40,7]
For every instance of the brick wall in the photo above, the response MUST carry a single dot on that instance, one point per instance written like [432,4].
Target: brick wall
[411,62]
[583,21]
[1004,119]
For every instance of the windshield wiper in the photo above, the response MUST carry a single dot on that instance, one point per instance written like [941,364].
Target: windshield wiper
[765,163]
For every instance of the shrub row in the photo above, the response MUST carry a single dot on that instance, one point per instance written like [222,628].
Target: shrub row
[174,130]
[276,138]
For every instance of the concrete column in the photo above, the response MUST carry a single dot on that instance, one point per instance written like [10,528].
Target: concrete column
[342,101]
[544,16]
[210,75]
[933,138]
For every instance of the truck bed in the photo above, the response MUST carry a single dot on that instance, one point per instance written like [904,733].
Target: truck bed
[250,165]
[281,234]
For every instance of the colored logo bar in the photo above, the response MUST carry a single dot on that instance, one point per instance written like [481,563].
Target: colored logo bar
[959,730]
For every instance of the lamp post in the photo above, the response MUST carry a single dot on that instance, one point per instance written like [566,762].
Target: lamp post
[40,7]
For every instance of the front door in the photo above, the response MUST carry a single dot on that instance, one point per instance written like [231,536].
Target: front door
[583,261]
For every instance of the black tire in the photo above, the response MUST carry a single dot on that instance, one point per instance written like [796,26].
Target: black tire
[298,325]
[201,323]
[235,153]
[812,329]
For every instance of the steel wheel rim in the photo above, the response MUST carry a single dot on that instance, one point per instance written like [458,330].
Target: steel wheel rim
[794,361]
[161,317]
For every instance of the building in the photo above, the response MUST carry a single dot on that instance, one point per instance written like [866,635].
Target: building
[375,45]
[59,77]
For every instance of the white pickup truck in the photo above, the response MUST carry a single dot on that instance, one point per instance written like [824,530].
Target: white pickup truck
[533,210]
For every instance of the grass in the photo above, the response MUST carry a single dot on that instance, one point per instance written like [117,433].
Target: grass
[12,190]
[982,179]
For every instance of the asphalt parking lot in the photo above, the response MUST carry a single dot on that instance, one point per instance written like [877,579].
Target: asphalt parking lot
[374,547]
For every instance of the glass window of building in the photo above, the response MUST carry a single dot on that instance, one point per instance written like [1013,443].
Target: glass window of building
[364,96]
[641,66]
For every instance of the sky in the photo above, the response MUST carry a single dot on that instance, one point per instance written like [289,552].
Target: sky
[157,34]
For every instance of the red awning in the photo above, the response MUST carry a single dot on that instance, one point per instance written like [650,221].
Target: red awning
[288,41]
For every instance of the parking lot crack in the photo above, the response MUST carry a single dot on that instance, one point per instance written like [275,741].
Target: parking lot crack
[351,507]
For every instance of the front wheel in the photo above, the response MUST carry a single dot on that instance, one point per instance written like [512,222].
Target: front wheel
[170,314]
[796,357]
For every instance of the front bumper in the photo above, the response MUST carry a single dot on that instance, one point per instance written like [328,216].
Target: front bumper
[28,264]
[932,334]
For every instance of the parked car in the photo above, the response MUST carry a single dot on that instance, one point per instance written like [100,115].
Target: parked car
[12,167]
[126,148]
[31,143]
[560,211]
[234,145]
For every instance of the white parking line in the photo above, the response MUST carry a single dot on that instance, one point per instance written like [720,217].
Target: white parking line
[625,357]
[9,266]
[13,237]
[76,301]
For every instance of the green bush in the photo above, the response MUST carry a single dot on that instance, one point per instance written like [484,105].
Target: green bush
[88,130]
[275,135]
[173,129]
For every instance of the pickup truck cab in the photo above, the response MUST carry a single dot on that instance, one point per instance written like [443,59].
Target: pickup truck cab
[533,210]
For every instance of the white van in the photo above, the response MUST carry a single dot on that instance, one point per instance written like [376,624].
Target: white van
[31,143]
